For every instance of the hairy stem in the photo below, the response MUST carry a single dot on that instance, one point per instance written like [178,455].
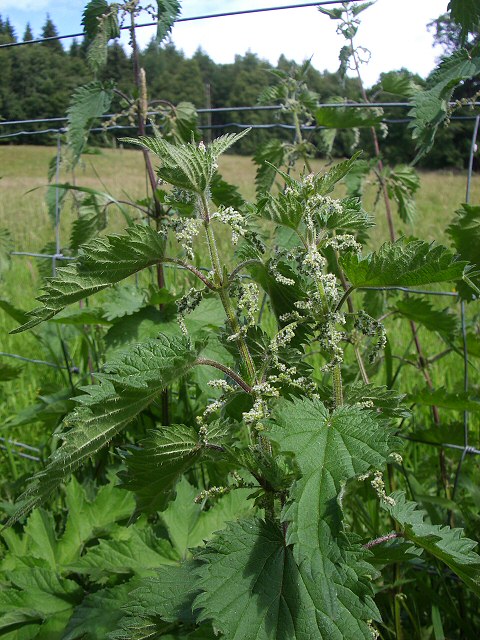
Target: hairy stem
[337,385]
[299,139]
[223,292]
[208,283]
[226,370]
[381,539]
[242,265]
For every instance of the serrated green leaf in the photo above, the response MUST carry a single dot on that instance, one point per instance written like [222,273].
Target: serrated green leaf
[356,177]
[466,13]
[88,103]
[37,594]
[464,232]
[324,184]
[431,105]
[103,262]
[267,157]
[187,166]
[154,470]
[100,23]
[252,589]
[122,300]
[93,10]
[421,311]
[402,184]
[168,595]
[357,8]
[387,401]
[398,84]
[349,216]
[224,193]
[167,12]
[329,449]
[180,124]
[348,117]
[92,219]
[461,401]
[406,263]
[448,545]
[134,380]
[285,208]
[333,14]
[98,613]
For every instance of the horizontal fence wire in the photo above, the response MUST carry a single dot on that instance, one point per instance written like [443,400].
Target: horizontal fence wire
[273,107]
[215,127]
[208,16]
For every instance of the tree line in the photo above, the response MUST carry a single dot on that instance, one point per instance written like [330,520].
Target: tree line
[37,81]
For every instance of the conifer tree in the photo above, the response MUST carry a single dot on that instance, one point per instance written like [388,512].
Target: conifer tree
[28,35]
[49,30]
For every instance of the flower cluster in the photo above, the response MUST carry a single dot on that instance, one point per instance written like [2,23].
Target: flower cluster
[370,327]
[344,242]
[248,302]
[234,219]
[378,485]
[186,304]
[186,230]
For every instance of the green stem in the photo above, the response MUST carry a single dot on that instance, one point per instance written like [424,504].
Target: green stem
[337,386]
[337,372]
[299,139]
[223,292]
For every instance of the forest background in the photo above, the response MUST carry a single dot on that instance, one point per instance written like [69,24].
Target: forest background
[38,81]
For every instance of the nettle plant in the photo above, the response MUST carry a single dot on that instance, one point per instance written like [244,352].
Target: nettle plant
[288,564]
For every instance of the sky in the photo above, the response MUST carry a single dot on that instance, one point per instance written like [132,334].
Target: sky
[394,31]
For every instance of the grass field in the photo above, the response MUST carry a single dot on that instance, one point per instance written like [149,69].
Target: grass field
[23,211]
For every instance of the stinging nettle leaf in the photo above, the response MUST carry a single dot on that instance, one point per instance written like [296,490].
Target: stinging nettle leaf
[134,380]
[253,589]
[387,401]
[102,263]
[448,545]
[466,13]
[153,471]
[167,12]
[168,595]
[329,449]
[88,103]
[402,184]
[461,401]
[348,117]
[431,105]
[464,231]
[406,263]
[267,157]
[187,166]
[422,312]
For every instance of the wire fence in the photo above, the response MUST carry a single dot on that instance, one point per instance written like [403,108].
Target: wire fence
[207,16]
[22,449]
